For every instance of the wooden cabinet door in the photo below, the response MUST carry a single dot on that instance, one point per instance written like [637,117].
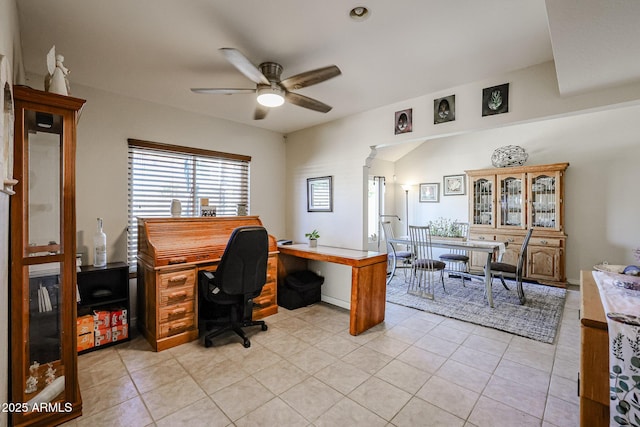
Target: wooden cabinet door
[544,263]
[482,201]
[511,201]
[545,204]
[512,250]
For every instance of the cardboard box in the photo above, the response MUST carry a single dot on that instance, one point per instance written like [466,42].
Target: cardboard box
[85,324]
[86,341]
[101,319]
[102,336]
[118,317]
[119,332]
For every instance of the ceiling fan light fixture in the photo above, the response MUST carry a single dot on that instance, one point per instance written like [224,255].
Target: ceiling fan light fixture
[359,13]
[270,96]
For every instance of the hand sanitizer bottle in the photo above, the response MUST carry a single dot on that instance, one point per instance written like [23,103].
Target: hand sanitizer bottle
[99,246]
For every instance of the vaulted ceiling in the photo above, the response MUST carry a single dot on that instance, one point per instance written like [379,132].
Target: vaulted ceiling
[156,50]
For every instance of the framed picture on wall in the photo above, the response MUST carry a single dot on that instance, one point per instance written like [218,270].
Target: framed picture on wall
[403,121]
[495,100]
[444,109]
[430,192]
[454,185]
[320,194]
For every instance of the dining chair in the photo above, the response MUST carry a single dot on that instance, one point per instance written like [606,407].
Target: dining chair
[395,258]
[457,260]
[425,270]
[510,271]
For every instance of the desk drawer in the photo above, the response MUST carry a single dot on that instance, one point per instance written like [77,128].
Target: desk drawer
[177,312]
[176,295]
[482,236]
[545,241]
[176,327]
[177,279]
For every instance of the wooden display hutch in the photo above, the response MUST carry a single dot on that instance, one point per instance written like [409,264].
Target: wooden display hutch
[43,363]
[171,252]
[505,202]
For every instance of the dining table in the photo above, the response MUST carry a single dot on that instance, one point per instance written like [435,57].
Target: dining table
[491,248]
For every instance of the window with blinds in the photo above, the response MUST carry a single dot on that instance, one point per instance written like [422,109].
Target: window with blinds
[159,173]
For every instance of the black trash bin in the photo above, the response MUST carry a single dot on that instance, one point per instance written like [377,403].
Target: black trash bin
[300,289]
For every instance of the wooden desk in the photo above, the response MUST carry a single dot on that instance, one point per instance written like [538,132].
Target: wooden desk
[594,355]
[368,278]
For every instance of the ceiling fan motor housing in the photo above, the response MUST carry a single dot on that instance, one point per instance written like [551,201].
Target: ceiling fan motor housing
[271,71]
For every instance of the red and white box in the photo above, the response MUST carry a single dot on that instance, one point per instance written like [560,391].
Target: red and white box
[118,317]
[85,341]
[102,336]
[101,319]
[85,324]
[119,332]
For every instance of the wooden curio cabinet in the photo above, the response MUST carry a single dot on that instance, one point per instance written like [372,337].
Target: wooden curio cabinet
[505,202]
[43,366]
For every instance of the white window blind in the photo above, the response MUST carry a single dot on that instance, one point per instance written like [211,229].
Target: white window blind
[159,173]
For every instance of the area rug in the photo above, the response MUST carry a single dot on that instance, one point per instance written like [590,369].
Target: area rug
[537,319]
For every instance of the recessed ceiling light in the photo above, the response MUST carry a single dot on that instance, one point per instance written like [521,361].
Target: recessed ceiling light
[359,13]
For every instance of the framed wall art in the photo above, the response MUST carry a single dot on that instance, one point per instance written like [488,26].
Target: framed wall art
[320,194]
[403,121]
[430,192]
[444,109]
[495,100]
[454,185]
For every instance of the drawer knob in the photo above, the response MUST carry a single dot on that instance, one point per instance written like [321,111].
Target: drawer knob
[178,279]
[178,312]
[544,242]
[481,238]
[178,260]
[511,240]
[177,326]
[178,295]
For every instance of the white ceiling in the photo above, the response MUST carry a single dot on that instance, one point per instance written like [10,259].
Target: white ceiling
[156,50]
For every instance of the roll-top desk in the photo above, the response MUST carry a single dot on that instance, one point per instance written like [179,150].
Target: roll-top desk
[171,251]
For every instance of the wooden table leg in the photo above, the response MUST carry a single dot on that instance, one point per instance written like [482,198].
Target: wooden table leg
[368,297]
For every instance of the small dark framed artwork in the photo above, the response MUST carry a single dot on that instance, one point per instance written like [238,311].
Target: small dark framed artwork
[403,121]
[454,185]
[430,192]
[495,100]
[444,109]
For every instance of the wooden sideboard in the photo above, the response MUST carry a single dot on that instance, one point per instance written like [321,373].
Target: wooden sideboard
[594,355]
[171,252]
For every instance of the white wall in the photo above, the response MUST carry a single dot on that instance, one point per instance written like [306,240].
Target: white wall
[10,49]
[341,148]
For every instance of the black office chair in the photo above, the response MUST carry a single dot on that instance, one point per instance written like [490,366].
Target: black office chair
[240,276]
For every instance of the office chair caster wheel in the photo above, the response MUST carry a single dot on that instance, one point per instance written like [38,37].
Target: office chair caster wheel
[246,343]
[207,342]
[264,327]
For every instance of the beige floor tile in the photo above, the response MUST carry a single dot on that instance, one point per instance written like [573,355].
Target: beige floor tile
[93,358]
[312,334]
[312,360]
[568,352]
[311,398]
[220,376]
[493,334]
[367,359]
[140,355]
[403,376]
[280,377]
[380,397]
[418,323]
[487,345]
[490,413]
[157,375]
[420,413]
[131,413]
[526,375]
[464,375]
[387,345]
[422,359]
[104,370]
[445,331]
[543,362]
[195,357]
[566,368]
[404,334]
[530,345]
[172,397]
[201,413]
[561,413]
[458,324]
[451,397]
[477,359]
[437,345]
[564,389]
[518,396]
[238,399]
[286,345]
[106,395]
[348,413]
[273,413]
[290,324]
[336,346]
[342,376]
[255,358]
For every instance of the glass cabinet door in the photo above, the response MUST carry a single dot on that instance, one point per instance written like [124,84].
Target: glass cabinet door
[544,201]
[482,201]
[511,198]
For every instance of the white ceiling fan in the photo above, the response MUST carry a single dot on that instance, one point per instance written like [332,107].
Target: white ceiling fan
[272,92]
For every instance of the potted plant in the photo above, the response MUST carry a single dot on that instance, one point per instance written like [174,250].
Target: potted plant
[313,238]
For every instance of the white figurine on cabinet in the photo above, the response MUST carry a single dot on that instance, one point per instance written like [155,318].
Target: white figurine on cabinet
[56,81]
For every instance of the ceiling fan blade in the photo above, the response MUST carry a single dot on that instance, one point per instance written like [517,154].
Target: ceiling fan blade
[310,77]
[261,112]
[220,91]
[238,60]
[306,102]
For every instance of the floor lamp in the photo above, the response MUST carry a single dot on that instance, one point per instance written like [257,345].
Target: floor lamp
[406,204]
